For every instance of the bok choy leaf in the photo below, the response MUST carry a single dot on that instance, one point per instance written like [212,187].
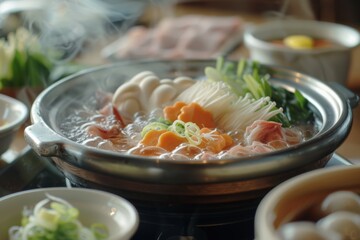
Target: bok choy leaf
[250,77]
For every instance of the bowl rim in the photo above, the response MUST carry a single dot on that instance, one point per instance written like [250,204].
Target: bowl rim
[265,214]
[252,41]
[20,106]
[130,208]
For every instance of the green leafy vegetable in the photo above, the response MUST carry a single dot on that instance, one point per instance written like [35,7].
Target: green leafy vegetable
[249,77]
[295,105]
[154,126]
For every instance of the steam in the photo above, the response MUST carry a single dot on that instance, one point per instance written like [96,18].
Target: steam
[65,25]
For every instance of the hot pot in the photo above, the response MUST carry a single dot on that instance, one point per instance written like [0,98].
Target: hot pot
[180,181]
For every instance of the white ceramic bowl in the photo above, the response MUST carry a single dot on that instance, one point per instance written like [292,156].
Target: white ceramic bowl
[327,63]
[13,113]
[95,206]
[292,197]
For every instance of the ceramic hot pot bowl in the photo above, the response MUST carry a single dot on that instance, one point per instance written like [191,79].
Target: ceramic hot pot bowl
[183,181]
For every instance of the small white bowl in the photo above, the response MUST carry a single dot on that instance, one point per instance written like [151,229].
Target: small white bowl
[326,64]
[13,114]
[294,196]
[95,206]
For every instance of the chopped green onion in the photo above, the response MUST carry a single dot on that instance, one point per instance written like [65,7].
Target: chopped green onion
[99,230]
[189,130]
[192,133]
[67,214]
[153,126]
[178,127]
[59,221]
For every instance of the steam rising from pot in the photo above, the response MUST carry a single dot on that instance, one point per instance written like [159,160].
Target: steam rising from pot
[65,25]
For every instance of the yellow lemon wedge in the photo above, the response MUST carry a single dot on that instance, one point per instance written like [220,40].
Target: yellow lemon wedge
[299,42]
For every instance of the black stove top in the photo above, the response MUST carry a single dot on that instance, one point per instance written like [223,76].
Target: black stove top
[157,221]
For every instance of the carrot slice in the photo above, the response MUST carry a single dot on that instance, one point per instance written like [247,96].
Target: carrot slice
[228,140]
[214,141]
[170,140]
[171,113]
[151,137]
[196,114]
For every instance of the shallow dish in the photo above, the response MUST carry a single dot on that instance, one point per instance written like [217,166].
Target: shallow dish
[94,206]
[330,63]
[291,198]
[13,113]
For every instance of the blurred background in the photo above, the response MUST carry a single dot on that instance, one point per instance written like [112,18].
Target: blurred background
[90,32]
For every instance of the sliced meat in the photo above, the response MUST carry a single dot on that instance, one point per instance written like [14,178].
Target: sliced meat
[264,132]
[189,36]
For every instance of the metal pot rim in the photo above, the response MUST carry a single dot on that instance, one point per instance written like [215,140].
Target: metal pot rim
[335,127]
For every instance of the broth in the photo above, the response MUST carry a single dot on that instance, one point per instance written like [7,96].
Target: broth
[189,119]
[317,43]
[107,133]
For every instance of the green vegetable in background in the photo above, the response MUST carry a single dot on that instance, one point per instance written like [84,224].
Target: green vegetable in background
[23,62]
